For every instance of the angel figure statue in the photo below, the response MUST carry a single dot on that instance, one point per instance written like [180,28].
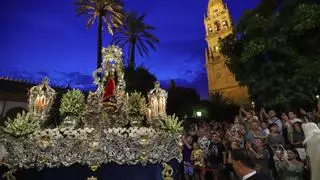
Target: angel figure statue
[157,102]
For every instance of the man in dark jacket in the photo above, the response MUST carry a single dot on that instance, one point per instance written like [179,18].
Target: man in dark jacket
[243,165]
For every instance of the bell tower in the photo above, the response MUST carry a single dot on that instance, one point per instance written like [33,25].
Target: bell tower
[218,25]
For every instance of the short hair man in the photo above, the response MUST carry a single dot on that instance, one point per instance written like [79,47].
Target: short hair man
[243,166]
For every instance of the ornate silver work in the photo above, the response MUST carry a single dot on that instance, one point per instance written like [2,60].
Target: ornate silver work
[102,139]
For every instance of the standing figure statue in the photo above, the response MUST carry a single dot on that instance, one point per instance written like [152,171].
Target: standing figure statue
[154,105]
[109,89]
[157,102]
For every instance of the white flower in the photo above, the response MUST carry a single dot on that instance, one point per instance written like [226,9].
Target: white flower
[130,134]
[63,129]
[116,130]
[43,133]
[122,130]
[109,131]
[82,131]
[90,130]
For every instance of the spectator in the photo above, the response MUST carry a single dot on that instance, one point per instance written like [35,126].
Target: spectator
[244,166]
[229,172]
[197,156]
[297,135]
[255,132]
[264,127]
[286,126]
[187,164]
[275,138]
[203,139]
[216,155]
[291,119]
[290,166]
[260,156]
[273,119]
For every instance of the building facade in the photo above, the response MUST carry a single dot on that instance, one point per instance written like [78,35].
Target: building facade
[218,25]
[14,96]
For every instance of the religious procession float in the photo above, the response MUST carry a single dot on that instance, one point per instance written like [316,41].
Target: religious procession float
[109,126]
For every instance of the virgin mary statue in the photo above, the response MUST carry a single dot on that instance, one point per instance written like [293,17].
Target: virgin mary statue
[109,89]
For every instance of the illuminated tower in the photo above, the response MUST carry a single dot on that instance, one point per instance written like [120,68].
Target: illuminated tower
[218,25]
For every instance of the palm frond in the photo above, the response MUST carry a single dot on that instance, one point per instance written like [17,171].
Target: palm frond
[136,31]
[144,50]
[111,11]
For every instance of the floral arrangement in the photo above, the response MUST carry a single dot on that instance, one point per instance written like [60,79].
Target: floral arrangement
[72,103]
[137,104]
[130,132]
[23,124]
[172,124]
[57,133]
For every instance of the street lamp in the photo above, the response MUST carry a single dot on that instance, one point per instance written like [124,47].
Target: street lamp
[253,104]
[317,96]
[199,113]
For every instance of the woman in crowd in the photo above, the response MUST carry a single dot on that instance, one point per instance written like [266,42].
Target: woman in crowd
[255,132]
[290,166]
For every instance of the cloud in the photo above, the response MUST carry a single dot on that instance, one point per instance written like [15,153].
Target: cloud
[76,80]
[82,81]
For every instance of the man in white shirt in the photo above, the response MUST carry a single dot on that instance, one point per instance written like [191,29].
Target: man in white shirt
[273,119]
[244,166]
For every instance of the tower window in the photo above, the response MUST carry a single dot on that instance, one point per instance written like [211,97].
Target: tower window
[225,24]
[217,26]
[216,11]
[218,75]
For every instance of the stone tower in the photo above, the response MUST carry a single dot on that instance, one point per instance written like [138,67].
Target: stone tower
[218,25]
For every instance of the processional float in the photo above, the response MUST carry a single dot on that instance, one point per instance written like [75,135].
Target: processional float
[104,128]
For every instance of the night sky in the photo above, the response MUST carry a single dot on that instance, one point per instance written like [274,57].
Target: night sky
[45,38]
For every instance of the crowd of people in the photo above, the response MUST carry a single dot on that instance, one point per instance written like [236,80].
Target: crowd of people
[273,143]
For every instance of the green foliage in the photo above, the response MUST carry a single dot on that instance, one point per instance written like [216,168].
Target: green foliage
[275,52]
[111,12]
[172,124]
[220,107]
[139,79]
[22,125]
[72,103]
[181,101]
[136,104]
[135,34]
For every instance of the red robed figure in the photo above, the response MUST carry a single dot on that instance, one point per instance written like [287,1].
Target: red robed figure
[109,89]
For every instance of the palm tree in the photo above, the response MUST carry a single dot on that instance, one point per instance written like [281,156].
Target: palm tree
[109,13]
[134,33]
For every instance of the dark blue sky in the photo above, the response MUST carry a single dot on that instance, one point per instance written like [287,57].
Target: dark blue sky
[45,38]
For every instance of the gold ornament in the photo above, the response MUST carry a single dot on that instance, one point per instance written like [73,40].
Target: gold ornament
[167,172]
